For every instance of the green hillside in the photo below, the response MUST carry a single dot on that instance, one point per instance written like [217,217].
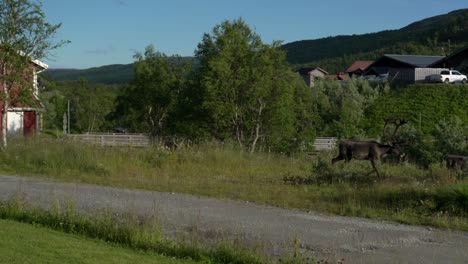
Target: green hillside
[426,37]
[109,74]
[423,105]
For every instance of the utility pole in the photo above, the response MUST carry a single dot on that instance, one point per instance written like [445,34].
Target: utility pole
[68,117]
[448,47]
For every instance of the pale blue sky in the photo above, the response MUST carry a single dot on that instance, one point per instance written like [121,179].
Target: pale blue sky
[110,31]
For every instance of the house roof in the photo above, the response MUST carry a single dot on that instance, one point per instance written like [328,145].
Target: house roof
[40,64]
[416,61]
[306,71]
[340,76]
[359,65]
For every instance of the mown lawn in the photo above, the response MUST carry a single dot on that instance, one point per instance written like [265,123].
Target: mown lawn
[25,243]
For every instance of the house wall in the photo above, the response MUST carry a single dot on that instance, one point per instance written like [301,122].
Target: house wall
[317,74]
[312,76]
[15,122]
[405,75]
[422,73]
[307,80]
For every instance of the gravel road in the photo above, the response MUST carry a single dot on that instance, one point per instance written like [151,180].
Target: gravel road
[326,237]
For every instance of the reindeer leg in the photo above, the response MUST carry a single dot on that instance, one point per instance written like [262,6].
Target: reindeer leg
[375,168]
[337,159]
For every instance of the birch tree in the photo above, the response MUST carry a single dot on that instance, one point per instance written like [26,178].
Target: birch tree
[248,88]
[25,35]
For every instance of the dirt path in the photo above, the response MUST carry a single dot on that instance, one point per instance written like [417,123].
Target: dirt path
[333,238]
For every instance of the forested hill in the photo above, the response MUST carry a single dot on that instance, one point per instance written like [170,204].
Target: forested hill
[109,74]
[426,37]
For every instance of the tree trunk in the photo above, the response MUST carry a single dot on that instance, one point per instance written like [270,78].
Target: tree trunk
[4,112]
[258,125]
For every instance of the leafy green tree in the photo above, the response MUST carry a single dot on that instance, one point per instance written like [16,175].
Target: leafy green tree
[249,90]
[24,35]
[148,103]
[451,136]
[341,106]
[90,103]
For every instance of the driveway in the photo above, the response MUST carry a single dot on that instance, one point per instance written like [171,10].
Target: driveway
[332,238]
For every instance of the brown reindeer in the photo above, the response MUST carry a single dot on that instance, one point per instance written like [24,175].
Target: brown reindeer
[456,161]
[365,150]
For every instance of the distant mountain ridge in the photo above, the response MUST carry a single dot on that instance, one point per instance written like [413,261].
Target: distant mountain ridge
[109,74]
[438,35]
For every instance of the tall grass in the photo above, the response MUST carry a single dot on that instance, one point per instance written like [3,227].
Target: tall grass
[405,193]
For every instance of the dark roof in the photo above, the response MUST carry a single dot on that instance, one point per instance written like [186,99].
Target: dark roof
[359,65]
[306,71]
[450,61]
[417,61]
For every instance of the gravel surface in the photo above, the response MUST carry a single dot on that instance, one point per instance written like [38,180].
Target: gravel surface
[332,238]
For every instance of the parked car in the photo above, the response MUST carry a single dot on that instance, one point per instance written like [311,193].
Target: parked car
[119,129]
[447,76]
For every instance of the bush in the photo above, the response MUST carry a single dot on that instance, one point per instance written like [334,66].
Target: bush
[453,199]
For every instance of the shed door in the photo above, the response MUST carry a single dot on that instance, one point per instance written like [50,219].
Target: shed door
[29,123]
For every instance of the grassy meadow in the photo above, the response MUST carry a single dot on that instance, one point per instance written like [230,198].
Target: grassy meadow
[405,193]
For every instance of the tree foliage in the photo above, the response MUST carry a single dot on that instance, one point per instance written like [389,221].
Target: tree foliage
[249,90]
[90,104]
[342,106]
[151,99]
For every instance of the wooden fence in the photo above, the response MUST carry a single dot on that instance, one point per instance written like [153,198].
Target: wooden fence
[325,143]
[142,140]
[114,139]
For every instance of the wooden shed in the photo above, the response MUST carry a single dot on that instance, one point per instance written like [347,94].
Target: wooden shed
[311,74]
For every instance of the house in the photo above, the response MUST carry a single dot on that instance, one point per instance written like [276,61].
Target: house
[404,68]
[24,118]
[458,60]
[311,74]
[358,68]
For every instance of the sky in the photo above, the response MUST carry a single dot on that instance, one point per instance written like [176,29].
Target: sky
[104,32]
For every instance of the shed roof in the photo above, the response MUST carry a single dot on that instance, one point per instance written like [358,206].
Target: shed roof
[359,65]
[416,61]
[306,71]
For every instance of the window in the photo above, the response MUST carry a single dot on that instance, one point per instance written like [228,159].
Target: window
[445,72]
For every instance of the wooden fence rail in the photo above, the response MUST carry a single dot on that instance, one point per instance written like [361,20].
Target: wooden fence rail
[325,143]
[114,140]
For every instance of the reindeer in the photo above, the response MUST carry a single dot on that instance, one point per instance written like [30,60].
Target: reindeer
[365,150]
[454,161]
[371,150]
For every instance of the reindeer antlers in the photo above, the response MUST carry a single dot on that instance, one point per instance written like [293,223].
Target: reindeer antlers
[395,121]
